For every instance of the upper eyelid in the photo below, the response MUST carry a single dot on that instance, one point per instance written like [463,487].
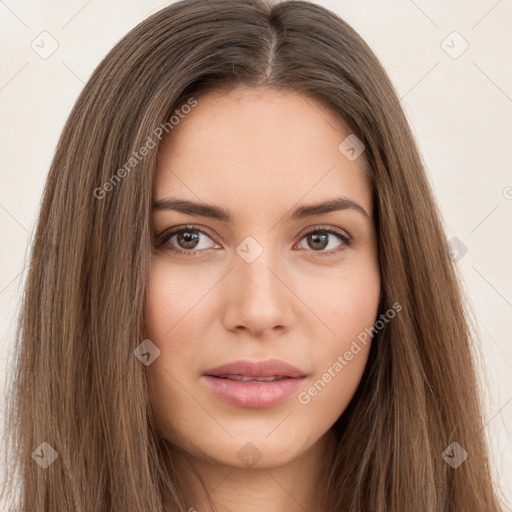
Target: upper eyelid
[168,233]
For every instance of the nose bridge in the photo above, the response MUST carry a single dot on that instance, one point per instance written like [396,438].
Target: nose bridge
[254,264]
[261,299]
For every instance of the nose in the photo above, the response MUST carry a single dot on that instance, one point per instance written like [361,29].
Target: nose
[257,297]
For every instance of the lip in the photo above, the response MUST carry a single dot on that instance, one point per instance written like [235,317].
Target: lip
[253,394]
[267,368]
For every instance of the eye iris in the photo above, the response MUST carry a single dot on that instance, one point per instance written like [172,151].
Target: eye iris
[320,237]
[188,237]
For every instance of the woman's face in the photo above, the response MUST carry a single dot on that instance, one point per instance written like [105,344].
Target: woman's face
[265,284]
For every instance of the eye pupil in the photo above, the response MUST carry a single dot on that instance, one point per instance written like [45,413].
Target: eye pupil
[318,237]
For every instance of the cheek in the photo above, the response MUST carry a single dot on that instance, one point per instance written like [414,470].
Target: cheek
[168,298]
[347,302]
[351,302]
[177,300]
[179,313]
[173,319]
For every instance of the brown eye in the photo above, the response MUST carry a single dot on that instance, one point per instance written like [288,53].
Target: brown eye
[319,239]
[185,240]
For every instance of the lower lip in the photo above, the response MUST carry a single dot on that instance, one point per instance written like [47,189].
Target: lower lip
[253,394]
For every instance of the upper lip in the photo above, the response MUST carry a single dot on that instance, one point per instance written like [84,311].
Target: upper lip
[268,368]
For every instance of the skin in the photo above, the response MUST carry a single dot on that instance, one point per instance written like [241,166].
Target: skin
[258,153]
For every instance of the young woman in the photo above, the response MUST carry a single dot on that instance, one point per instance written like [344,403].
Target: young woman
[239,295]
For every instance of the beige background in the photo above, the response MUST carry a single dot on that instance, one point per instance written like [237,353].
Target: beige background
[459,105]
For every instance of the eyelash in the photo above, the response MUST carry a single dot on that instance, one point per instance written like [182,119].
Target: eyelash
[344,238]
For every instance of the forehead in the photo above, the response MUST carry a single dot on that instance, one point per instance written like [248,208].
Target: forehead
[259,145]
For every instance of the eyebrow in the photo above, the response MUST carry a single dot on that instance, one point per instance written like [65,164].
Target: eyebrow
[224,215]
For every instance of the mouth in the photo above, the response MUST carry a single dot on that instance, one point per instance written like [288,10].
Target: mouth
[254,384]
[269,369]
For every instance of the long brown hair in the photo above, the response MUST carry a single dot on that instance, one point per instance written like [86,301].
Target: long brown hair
[76,384]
